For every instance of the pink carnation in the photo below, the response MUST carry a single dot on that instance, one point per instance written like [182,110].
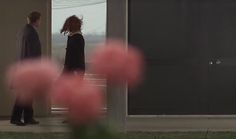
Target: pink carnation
[118,63]
[64,88]
[86,104]
[30,77]
[82,97]
[134,67]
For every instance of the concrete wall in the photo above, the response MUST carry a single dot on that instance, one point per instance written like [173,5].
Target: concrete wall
[13,17]
[116,96]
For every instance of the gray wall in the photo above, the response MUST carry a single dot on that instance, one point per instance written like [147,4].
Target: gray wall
[13,17]
[116,96]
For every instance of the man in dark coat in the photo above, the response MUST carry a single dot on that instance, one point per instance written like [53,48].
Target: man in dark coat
[30,48]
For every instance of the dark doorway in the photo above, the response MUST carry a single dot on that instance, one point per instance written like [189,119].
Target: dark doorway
[190,51]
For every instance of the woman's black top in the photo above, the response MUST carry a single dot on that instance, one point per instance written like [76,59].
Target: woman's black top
[75,59]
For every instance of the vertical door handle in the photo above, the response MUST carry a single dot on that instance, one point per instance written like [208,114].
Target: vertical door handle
[211,63]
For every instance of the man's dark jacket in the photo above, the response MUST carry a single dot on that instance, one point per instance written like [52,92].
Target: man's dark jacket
[29,43]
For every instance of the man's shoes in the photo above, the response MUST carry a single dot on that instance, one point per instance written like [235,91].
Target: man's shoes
[17,123]
[31,122]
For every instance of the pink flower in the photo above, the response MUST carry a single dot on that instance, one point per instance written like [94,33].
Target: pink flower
[82,97]
[64,88]
[118,63]
[31,78]
[86,103]
[134,67]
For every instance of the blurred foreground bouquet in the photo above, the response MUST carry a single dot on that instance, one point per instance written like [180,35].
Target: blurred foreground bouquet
[83,98]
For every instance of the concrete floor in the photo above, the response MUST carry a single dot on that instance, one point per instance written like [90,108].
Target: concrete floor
[46,125]
[134,124]
[182,124]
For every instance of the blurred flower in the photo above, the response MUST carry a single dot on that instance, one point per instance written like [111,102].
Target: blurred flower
[86,104]
[83,98]
[31,78]
[64,88]
[134,67]
[118,63]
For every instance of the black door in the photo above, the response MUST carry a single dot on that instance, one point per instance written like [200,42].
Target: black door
[189,50]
